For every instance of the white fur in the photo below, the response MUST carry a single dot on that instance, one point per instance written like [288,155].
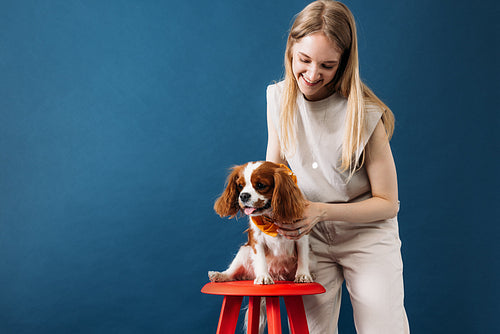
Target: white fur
[283,255]
[279,262]
[255,196]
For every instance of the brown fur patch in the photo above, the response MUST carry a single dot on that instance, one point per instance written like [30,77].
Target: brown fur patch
[251,240]
[227,204]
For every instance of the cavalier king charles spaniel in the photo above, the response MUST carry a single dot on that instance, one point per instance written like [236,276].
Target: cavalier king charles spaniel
[267,193]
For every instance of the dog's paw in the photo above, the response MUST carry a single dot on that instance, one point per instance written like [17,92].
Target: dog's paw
[263,279]
[303,278]
[216,276]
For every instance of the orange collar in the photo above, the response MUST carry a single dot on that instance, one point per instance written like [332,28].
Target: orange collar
[292,175]
[264,223]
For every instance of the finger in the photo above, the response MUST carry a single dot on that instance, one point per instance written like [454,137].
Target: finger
[292,237]
[288,233]
[293,226]
[293,234]
[288,228]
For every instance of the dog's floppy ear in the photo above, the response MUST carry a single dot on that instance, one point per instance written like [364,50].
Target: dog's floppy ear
[227,203]
[288,202]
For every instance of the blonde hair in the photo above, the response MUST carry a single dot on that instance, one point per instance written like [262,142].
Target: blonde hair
[336,21]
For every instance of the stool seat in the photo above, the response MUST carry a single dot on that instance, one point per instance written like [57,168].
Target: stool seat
[291,292]
[249,288]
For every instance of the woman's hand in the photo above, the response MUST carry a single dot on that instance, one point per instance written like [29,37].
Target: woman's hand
[313,214]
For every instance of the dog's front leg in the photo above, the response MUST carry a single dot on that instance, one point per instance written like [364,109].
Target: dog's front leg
[303,274]
[260,266]
[236,269]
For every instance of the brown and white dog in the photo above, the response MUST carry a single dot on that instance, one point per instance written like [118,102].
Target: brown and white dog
[261,190]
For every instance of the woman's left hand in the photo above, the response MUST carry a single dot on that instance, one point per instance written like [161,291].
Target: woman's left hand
[313,214]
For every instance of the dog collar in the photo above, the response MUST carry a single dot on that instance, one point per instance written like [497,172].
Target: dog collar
[266,225]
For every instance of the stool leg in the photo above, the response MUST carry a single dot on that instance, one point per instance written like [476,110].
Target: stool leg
[296,314]
[253,315]
[273,315]
[229,314]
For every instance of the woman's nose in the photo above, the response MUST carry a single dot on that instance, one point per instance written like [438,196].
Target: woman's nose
[313,73]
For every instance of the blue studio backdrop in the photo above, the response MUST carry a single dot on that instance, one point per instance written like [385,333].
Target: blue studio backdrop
[119,120]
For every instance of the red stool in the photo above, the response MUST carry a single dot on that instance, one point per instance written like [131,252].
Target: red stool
[234,292]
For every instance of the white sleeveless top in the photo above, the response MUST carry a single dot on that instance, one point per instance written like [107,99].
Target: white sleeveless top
[320,129]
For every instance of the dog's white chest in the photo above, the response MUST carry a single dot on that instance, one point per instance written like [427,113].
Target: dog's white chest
[279,246]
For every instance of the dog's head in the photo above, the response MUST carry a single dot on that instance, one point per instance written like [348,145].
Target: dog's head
[258,188]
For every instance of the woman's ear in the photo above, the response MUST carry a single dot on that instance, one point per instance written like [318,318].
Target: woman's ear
[288,202]
[227,204]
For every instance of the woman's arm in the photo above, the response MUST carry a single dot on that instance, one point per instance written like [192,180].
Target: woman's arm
[383,204]
[273,152]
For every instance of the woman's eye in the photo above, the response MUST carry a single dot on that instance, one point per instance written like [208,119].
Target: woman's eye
[327,67]
[305,61]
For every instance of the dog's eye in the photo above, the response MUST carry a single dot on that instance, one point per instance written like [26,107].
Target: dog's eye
[239,186]
[260,186]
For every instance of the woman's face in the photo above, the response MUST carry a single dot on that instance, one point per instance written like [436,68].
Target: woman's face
[314,64]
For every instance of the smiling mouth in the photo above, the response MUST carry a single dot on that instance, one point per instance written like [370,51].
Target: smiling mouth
[251,210]
[310,83]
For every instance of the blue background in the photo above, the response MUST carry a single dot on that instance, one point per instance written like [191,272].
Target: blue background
[119,120]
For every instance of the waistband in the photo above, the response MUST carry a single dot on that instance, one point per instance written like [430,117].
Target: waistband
[332,232]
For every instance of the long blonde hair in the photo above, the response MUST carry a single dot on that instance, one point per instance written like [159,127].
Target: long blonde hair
[336,21]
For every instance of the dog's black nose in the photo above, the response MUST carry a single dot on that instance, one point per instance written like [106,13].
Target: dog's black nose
[244,197]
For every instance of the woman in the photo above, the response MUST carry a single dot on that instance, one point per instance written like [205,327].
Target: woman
[334,134]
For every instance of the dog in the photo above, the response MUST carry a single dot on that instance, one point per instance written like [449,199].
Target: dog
[267,193]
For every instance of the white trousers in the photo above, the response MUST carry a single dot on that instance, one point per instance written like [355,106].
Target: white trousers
[368,257]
